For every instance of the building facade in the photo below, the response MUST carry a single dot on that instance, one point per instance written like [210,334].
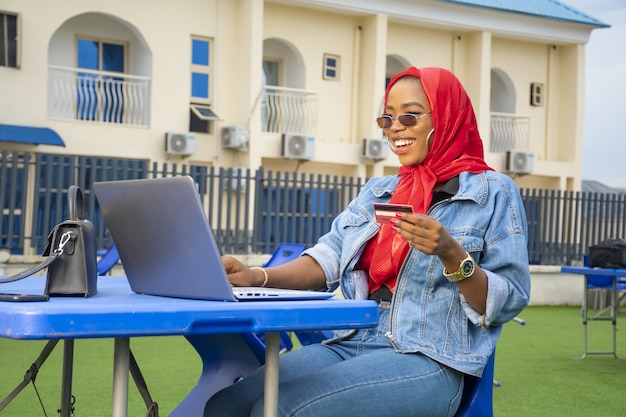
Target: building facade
[287,85]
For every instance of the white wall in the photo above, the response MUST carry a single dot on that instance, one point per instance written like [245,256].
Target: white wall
[468,41]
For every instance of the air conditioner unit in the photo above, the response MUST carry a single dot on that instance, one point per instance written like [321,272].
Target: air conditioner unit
[376,149]
[180,143]
[298,146]
[234,137]
[519,162]
[235,179]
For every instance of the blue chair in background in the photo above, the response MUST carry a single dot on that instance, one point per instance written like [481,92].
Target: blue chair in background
[108,260]
[601,285]
[284,253]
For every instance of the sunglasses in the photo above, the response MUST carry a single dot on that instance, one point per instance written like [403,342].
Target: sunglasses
[407,120]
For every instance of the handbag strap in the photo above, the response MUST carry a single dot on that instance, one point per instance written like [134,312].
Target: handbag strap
[54,255]
[75,203]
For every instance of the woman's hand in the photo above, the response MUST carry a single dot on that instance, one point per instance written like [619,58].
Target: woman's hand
[426,234]
[240,275]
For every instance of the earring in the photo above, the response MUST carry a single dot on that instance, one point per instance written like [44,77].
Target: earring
[430,134]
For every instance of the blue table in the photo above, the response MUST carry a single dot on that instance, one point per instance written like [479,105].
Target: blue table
[614,307]
[213,328]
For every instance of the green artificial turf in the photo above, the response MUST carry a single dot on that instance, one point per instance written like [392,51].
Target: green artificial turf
[534,366]
[169,365]
[539,378]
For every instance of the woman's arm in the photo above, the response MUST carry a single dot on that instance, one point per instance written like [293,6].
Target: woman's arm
[303,273]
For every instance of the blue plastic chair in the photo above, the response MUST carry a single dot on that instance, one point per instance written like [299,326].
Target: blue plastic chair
[284,253]
[477,398]
[108,260]
[601,284]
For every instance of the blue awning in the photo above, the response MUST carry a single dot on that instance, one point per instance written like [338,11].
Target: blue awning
[29,134]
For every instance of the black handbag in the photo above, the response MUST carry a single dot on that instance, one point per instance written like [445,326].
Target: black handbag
[70,254]
[610,253]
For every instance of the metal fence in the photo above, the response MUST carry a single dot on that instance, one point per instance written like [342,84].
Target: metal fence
[563,224]
[254,211]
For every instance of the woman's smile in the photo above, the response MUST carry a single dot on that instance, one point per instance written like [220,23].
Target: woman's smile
[402,144]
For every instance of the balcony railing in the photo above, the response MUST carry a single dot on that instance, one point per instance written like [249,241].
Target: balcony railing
[509,131]
[98,96]
[288,110]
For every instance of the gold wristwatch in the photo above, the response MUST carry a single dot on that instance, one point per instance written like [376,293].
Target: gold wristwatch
[466,269]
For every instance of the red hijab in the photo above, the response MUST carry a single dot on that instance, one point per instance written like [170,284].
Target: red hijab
[455,147]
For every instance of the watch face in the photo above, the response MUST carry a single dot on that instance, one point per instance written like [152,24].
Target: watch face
[467,268]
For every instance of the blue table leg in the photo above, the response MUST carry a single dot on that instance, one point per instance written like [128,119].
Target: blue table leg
[225,359]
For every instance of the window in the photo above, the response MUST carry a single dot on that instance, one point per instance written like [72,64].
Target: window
[8,40]
[201,115]
[536,94]
[201,70]
[100,96]
[331,67]
[272,71]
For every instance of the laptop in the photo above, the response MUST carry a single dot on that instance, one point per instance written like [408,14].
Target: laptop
[166,245]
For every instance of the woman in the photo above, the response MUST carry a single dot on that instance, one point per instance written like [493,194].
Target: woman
[446,276]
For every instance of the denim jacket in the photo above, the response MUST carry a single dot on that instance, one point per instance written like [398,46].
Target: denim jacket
[428,313]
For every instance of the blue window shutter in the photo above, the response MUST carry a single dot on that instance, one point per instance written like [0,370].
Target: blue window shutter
[199,85]
[199,52]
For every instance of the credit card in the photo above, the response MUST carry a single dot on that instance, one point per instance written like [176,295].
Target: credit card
[385,212]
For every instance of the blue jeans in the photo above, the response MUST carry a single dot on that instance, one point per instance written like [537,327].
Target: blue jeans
[362,376]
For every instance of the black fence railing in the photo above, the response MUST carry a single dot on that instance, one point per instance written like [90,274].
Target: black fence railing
[563,224]
[253,212]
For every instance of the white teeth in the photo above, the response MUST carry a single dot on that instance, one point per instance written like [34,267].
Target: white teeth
[403,142]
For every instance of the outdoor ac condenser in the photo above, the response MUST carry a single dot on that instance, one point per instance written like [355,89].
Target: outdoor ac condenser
[180,143]
[376,149]
[298,146]
[519,162]
[234,137]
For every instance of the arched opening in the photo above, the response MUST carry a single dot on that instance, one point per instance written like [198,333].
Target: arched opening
[503,94]
[395,64]
[509,131]
[283,65]
[285,104]
[95,75]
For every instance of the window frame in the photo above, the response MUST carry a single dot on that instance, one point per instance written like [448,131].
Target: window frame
[199,123]
[18,38]
[202,70]
[101,42]
[326,67]
[196,109]
[279,66]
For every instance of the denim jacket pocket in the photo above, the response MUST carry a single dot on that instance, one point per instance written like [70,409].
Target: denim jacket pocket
[471,243]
